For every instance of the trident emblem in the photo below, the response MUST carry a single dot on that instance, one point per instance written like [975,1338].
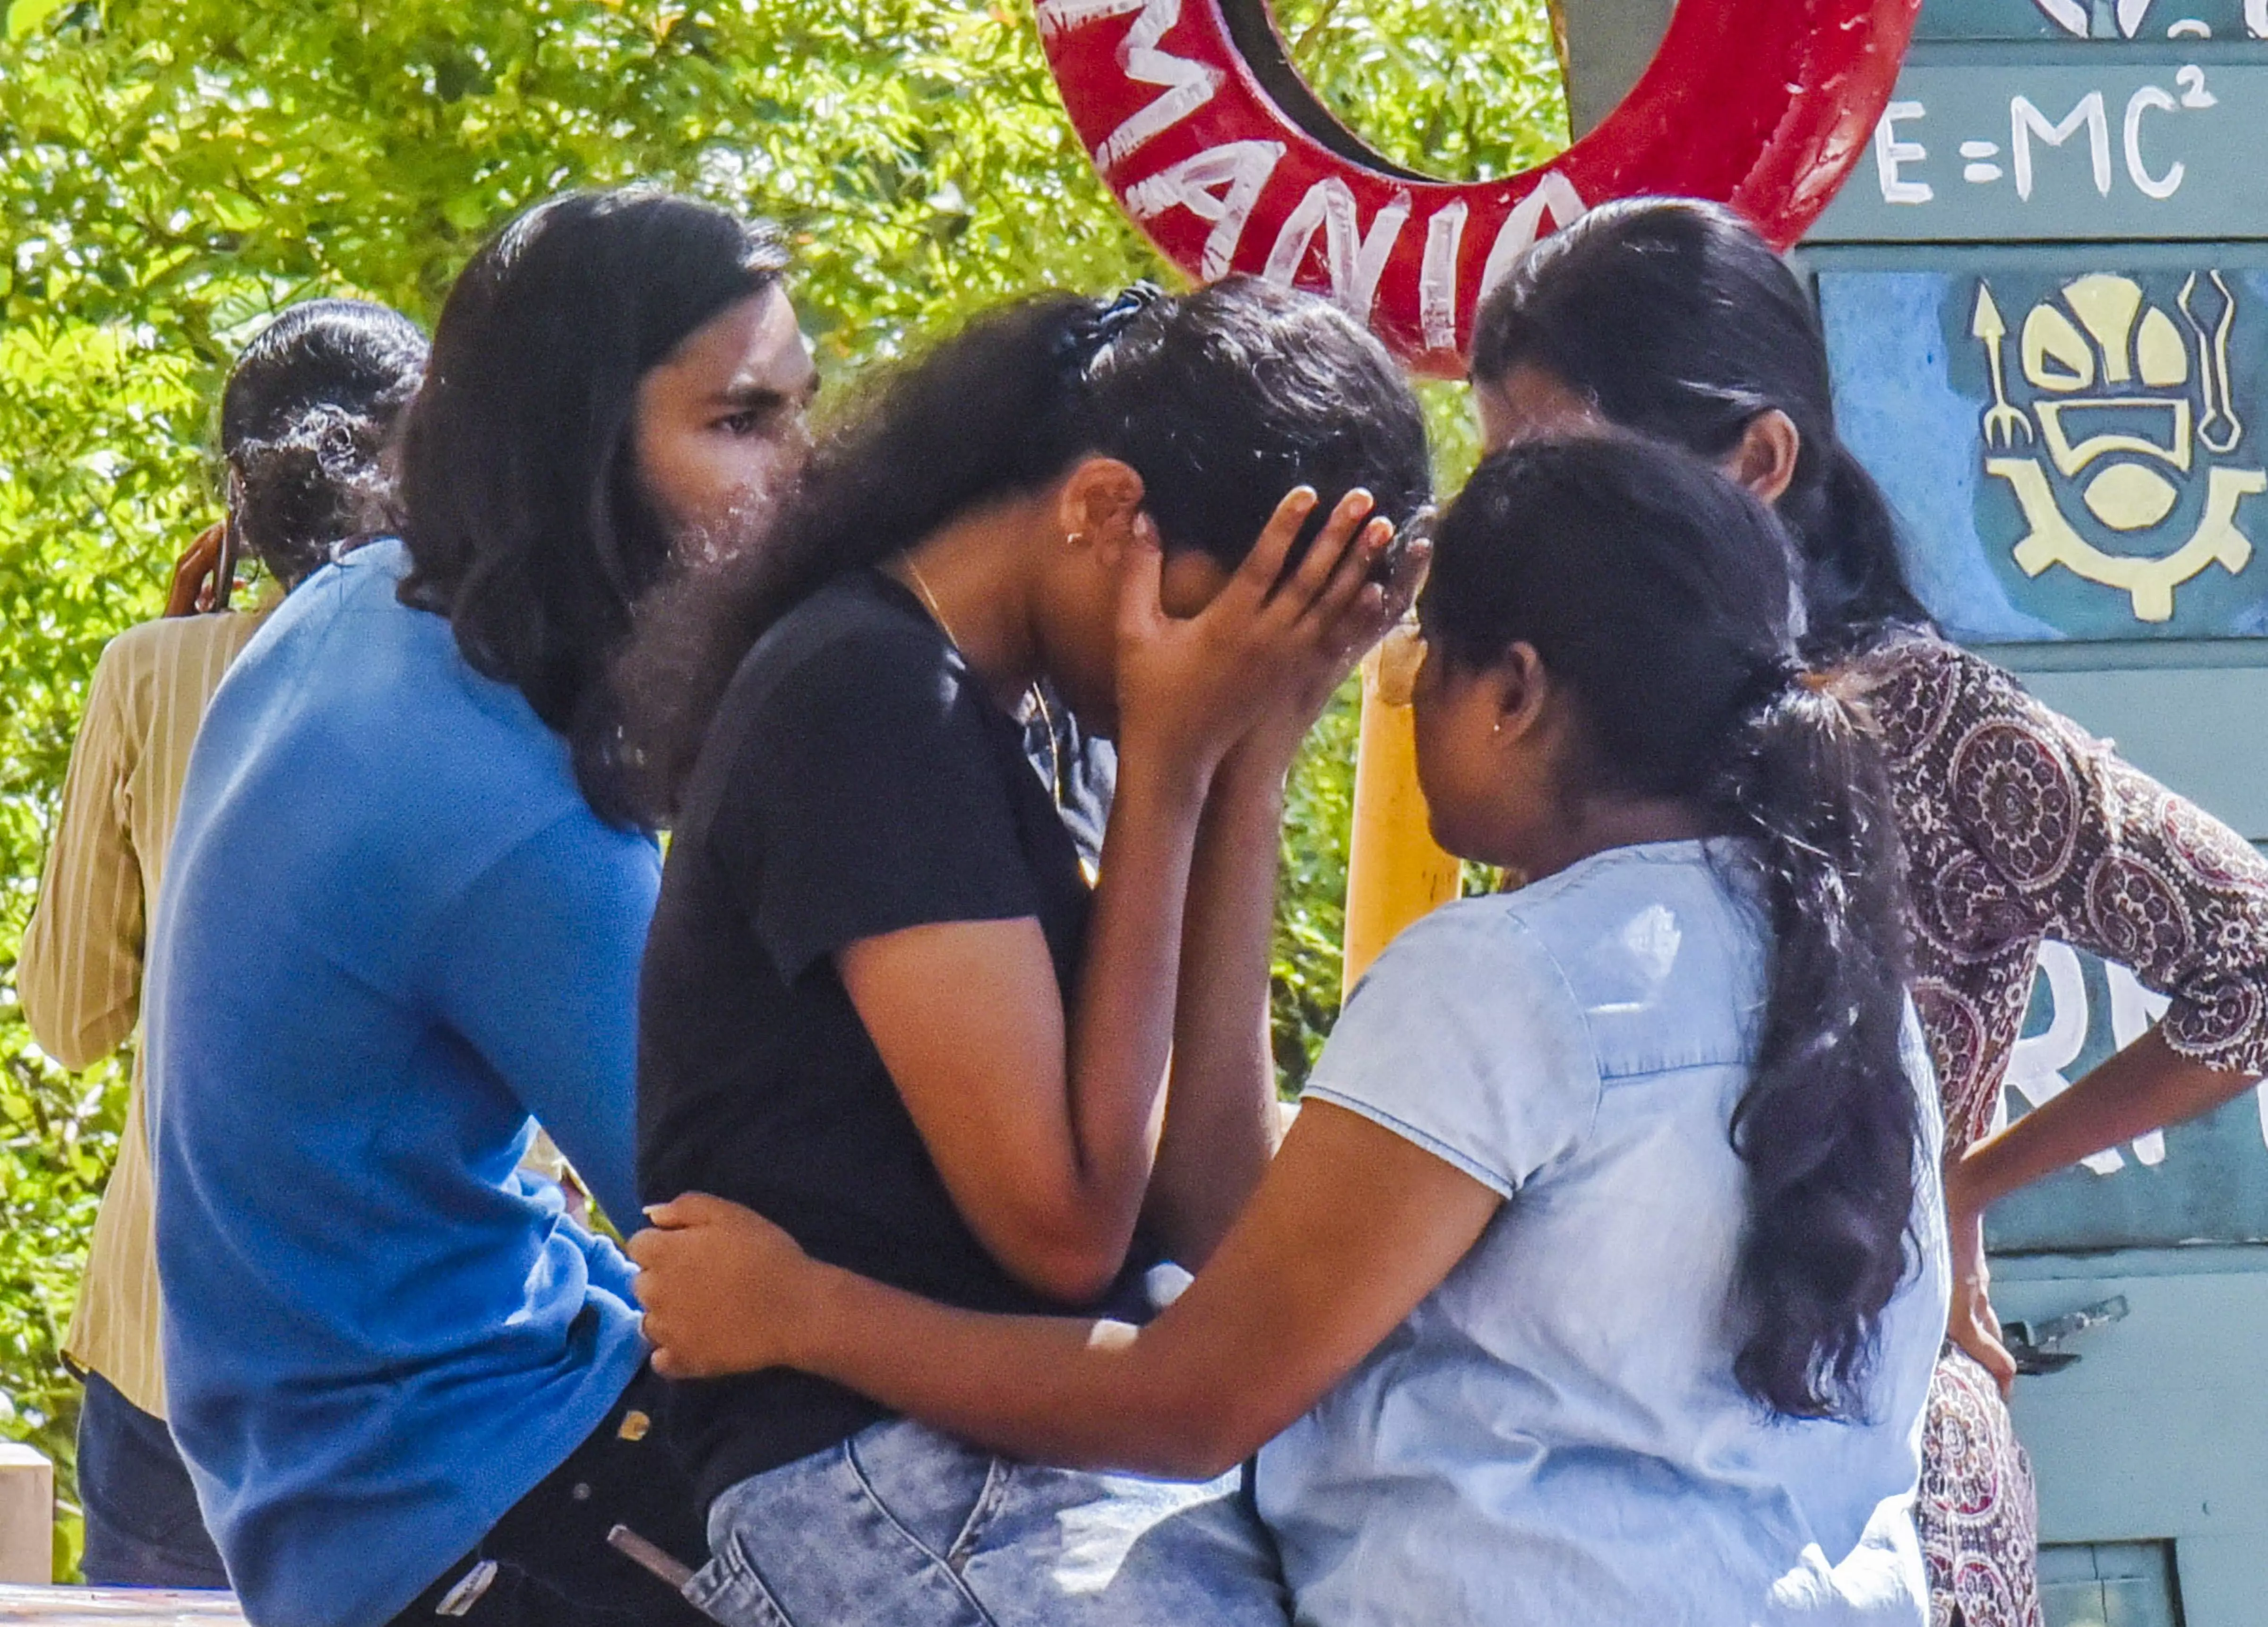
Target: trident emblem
[2120,410]
[2001,421]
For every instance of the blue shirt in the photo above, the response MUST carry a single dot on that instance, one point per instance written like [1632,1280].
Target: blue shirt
[1555,1434]
[391,931]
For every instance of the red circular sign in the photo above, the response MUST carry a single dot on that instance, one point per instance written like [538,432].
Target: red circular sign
[1196,118]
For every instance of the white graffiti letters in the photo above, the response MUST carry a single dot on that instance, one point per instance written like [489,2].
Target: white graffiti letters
[2151,185]
[1219,185]
[1901,163]
[2036,1072]
[1892,154]
[1355,259]
[1224,186]
[1184,86]
[1554,195]
[1437,276]
[2072,17]
[2026,122]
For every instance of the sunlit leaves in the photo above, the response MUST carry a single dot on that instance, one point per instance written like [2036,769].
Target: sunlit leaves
[1466,90]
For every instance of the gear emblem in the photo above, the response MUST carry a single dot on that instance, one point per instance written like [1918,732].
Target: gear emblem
[2123,402]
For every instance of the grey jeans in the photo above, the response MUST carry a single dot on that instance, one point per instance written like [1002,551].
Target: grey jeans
[901,1527]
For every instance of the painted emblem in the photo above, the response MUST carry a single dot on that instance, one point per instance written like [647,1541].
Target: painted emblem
[2126,19]
[2102,409]
[2095,20]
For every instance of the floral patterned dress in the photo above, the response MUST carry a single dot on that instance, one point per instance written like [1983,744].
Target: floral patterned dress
[2019,827]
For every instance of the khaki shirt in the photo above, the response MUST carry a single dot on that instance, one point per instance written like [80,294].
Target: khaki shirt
[79,973]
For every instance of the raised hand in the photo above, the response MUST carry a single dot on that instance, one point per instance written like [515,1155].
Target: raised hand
[195,580]
[1365,617]
[1272,644]
[720,1287]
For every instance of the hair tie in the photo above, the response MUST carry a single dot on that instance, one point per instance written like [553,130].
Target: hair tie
[1086,339]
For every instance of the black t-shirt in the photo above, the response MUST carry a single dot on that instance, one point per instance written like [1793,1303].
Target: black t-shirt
[858,780]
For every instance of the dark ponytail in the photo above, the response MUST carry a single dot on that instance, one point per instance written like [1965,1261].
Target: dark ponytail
[1222,401]
[1829,1125]
[1672,318]
[307,417]
[1659,594]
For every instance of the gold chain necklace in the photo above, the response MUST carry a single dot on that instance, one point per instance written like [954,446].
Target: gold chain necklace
[1047,717]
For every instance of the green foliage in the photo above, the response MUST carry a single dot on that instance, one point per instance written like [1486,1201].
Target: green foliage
[1470,91]
[170,173]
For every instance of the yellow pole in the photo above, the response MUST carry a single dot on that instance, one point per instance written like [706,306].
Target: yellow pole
[1395,872]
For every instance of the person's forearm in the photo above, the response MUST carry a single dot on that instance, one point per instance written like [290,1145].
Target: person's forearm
[1121,1024]
[1086,1394]
[2146,1087]
[1220,1109]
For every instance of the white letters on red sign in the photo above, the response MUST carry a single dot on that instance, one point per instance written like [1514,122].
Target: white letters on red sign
[1762,104]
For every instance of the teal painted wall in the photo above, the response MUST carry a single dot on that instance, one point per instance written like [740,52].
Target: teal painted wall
[2045,295]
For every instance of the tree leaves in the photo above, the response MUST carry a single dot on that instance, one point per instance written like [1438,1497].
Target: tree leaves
[26,16]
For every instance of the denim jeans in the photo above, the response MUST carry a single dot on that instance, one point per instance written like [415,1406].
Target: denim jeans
[901,1527]
[144,1528]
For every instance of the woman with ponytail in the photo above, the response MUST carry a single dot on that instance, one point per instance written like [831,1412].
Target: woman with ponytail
[1673,320]
[307,412]
[884,1003]
[1600,1277]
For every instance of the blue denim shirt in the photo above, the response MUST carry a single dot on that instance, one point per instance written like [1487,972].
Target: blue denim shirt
[1555,1434]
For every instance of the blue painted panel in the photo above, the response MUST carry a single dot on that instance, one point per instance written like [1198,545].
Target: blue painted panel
[2077,453]
[2078,20]
[2203,1181]
[2203,731]
[2153,1433]
[2075,143]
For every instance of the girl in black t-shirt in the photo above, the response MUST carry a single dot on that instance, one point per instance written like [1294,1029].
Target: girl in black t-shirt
[881,1004]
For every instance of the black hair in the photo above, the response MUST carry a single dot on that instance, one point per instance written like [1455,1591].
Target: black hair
[1222,399]
[306,418]
[1658,592]
[1676,321]
[527,522]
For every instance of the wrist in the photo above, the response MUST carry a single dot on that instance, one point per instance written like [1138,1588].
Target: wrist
[1173,777]
[1968,1191]
[1256,770]
[819,1336]
[1261,761]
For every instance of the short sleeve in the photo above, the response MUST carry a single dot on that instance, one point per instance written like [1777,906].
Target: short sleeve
[864,795]
[2106,859]
[1464,1039]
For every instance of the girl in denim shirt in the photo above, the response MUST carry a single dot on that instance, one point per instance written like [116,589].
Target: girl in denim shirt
[1602,1278]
